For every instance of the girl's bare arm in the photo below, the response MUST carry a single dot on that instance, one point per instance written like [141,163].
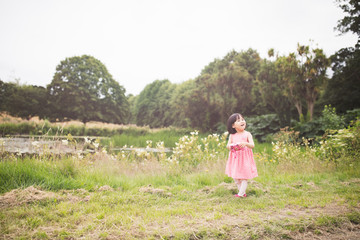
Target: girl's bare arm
[250,143]
[229,142]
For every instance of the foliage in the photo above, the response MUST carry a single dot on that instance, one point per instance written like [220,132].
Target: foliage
[351,115]
[83,89]
[23,100]
[16,129]
[138,138]
[329,120]
[269,85]
[313,66]
[351,21]
[343,90]
[262,126]
[152,106]
[339,143]
[289,151]
[189,152]
[304,76]
[181,111]
[290,76]
[45,127]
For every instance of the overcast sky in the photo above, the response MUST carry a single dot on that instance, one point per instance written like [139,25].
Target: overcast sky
[140,41]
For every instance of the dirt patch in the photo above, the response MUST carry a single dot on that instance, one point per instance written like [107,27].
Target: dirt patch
[32,194]
[105,188]
[76,195]
[157,191]
[25,196]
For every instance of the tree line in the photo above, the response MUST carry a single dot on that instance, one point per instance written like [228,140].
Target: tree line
[295,86]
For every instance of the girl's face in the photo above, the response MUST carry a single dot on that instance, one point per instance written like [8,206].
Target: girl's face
[239,124]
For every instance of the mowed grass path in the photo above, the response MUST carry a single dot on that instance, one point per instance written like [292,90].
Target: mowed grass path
[107,199]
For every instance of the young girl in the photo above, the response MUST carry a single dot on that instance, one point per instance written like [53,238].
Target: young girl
[240,165]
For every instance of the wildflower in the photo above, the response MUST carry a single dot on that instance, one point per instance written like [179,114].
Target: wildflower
[194,133]
[65,142]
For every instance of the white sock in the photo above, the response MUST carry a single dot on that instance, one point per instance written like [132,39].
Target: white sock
[243,187]
[238,183]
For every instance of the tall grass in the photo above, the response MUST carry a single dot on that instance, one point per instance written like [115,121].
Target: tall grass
[51,129]
[136,139]
[185,195]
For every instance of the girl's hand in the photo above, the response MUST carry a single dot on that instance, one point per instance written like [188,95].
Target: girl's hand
[242,144]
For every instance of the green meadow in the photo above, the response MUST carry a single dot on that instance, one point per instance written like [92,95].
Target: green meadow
[303,192]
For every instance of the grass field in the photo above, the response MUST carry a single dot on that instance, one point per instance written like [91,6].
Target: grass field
[101,198]
[299,194]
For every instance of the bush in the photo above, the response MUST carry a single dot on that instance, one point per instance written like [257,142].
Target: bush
[263,125]
[16,128]
[341,143]
[351,115]
[329,120]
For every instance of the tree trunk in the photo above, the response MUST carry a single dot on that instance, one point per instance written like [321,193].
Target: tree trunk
[299,109]
[310,106]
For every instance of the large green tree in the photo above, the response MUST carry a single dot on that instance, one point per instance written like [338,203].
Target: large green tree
[351,21]
[272,92]
[343,90]
[303,74]
[83,89]
[182,103]
[291,81]
[23,101]
[224,87]
[313,67]
[152,106]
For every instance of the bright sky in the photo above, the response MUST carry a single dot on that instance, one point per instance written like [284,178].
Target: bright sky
[140,41]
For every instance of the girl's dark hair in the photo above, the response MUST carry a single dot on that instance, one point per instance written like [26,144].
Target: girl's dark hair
[231,121]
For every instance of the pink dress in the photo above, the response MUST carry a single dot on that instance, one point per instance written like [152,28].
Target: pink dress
[241,164]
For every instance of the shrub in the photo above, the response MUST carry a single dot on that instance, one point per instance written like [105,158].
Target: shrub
[190,150]
[263,125]
[341,143]
[329,120]
[351,115]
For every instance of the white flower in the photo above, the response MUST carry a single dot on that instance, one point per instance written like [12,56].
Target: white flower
[65,142]
[194,133]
